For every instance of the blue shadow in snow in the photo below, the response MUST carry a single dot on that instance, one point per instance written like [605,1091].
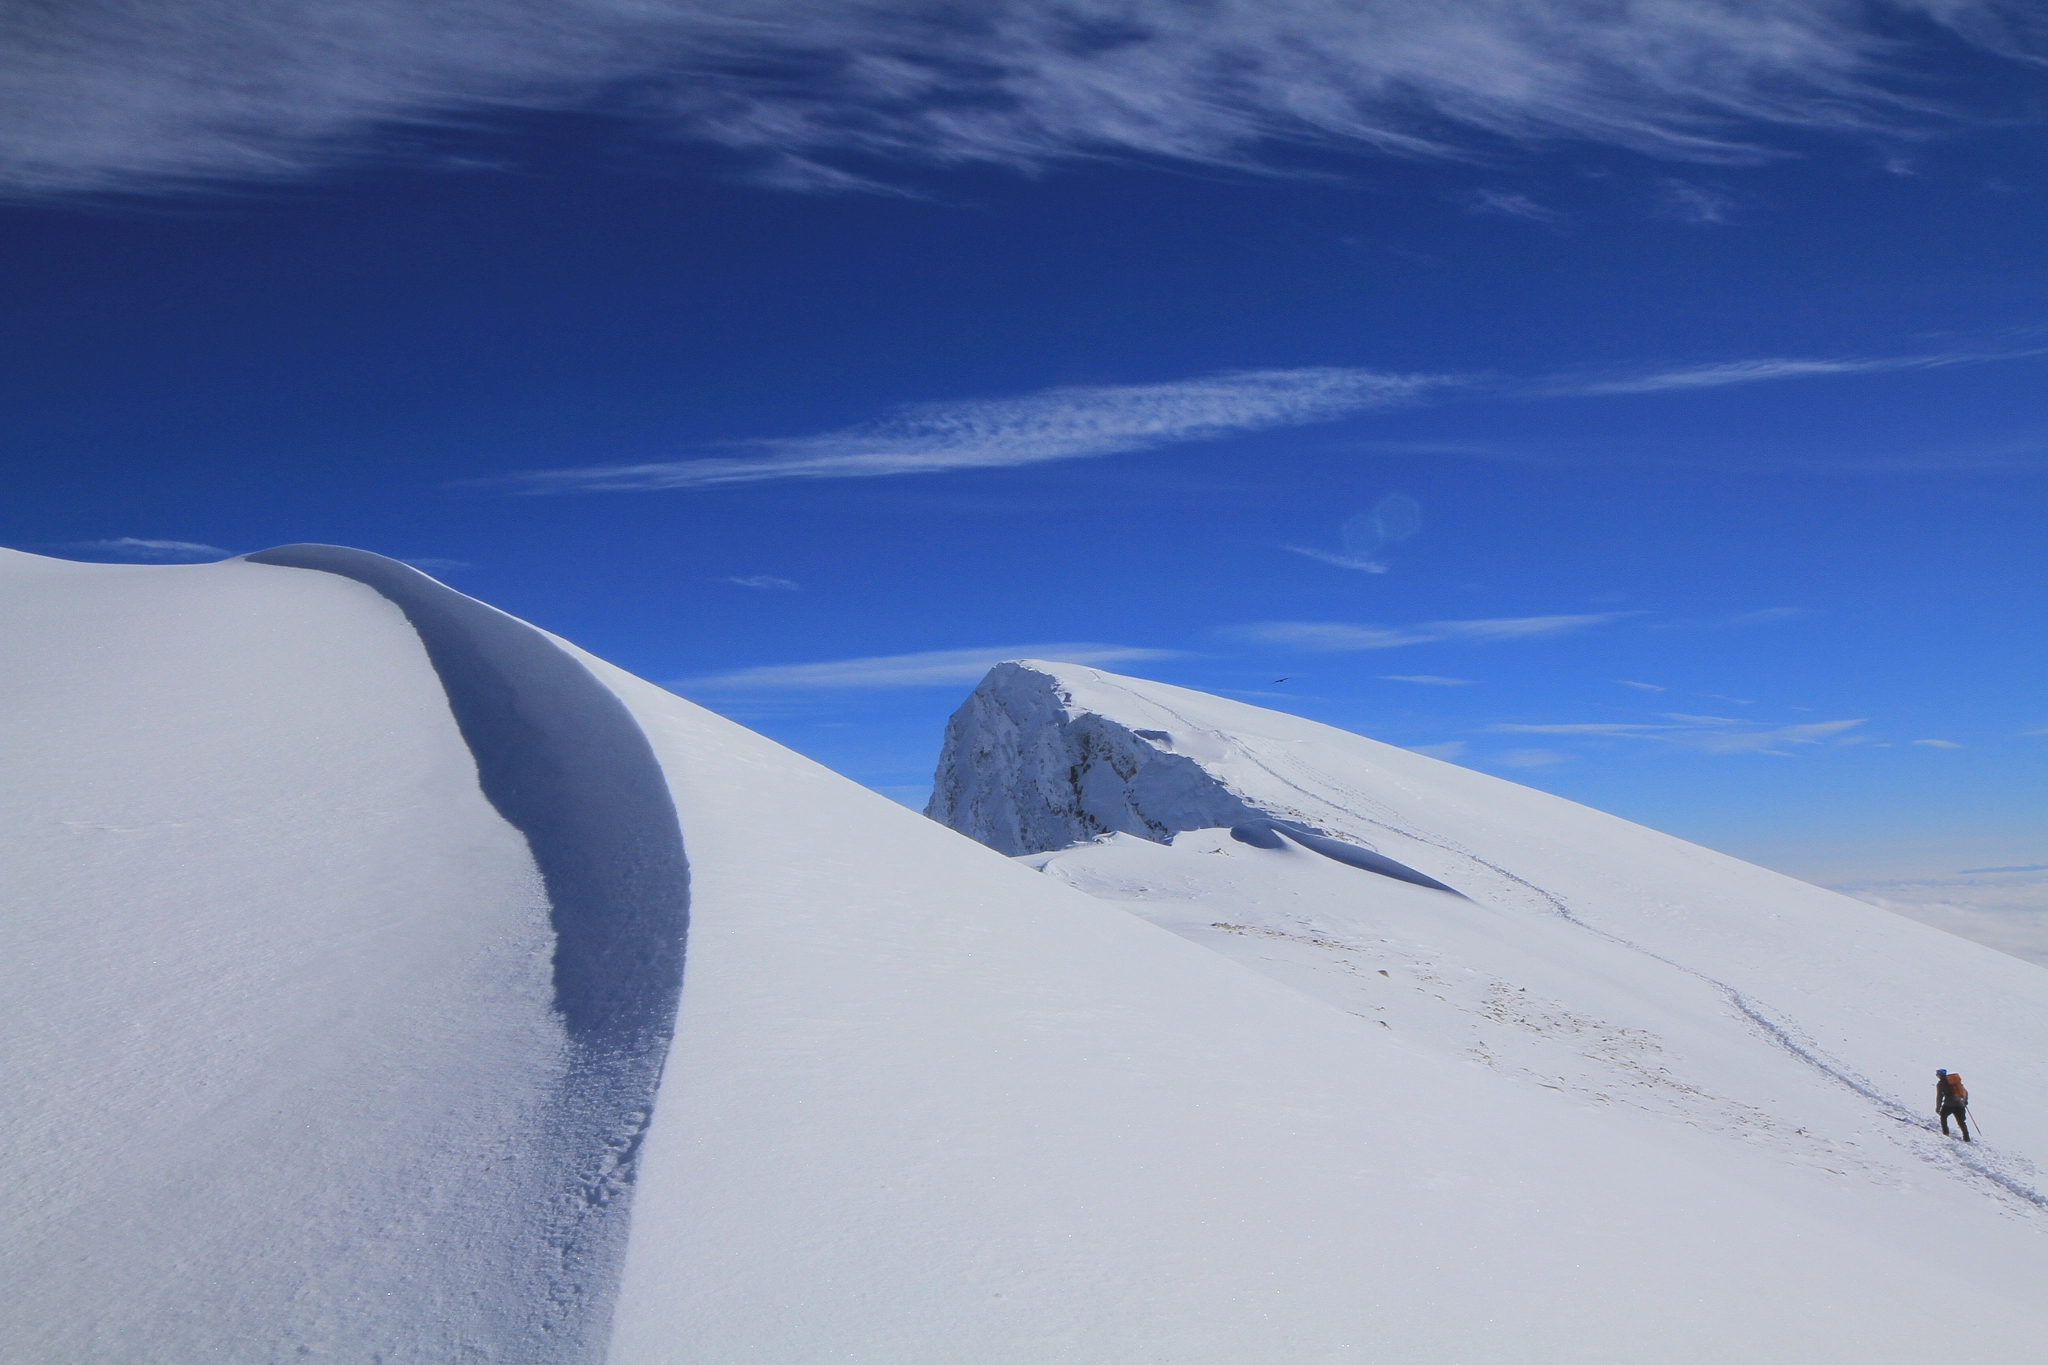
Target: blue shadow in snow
[566,764]
[562,759]
[1267,834]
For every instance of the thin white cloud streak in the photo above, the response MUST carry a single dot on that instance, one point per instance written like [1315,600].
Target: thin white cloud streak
[935,668]
[1694,204]
[1602,728]
[153,94]
[1056,424]
[1507,204]
[134,547]
[1639,686]
[1426,679]
[1763,371]
[1710,734]
[1778,740]
[1761,617]
[1335,637]
[764,582]
[1072,423]
[1939,743]
[1340,561]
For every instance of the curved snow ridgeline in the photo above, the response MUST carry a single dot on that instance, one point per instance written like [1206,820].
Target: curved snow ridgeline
[345,961]
[560,757]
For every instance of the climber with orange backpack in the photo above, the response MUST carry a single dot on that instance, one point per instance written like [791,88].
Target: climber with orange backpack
[1951,1099]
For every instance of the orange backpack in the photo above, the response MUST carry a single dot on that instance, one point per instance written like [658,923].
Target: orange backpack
[1953,1084]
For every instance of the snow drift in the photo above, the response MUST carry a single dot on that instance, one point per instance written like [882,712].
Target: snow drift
[337,1023]
[342,918]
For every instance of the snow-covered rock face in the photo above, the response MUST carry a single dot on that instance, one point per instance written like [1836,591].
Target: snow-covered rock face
[1025,769]
[1042,756]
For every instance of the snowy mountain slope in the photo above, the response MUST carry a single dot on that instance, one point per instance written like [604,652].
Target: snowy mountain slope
[286,1063]
[1586,955]
[926,1105]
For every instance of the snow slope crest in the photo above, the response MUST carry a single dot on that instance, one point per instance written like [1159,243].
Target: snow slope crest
[1030,766]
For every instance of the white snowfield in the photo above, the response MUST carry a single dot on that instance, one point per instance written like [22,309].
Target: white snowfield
[284,1065]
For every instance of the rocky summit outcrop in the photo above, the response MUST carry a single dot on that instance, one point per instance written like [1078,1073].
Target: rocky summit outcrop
[1025,769]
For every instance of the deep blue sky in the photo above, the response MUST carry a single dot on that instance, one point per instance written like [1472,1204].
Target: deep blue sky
[1763,428]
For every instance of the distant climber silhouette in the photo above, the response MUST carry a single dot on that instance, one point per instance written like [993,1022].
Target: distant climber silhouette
[1952,1101]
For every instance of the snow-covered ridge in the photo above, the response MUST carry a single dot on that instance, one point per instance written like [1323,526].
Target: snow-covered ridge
[562,759]
[289,1063]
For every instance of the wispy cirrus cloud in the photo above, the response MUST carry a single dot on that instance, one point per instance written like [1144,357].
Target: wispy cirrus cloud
[1602,728]
[1695,204]
[1709,734]
[763,582]
[933,668]
[1342,637]
[1426,679]
[134,547]
[1056,424]
[1724,374]
[166,94]
[1763,616]
[1368,535]
[1508,204]
[1779,740]
[1639,686]
[1336,560]
[1083,422]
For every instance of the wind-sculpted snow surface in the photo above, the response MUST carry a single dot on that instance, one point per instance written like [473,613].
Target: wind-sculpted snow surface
[1267,834]
[559,756]
[343,942]
[562,759]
